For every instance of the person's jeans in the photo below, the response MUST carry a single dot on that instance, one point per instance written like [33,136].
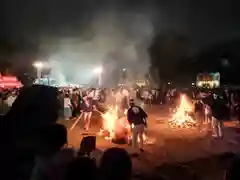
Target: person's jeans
[138,131]
[217,127]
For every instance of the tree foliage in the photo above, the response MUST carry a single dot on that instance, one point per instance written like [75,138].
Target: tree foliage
[167,52]
[221,57]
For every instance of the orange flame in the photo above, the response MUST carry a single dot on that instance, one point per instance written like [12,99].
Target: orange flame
[181,118]
[113,124]
[109,121]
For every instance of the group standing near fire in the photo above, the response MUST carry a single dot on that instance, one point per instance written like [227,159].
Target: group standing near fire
[79,101]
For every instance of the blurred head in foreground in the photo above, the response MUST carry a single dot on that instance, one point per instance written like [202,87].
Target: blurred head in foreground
[51,139]
[81,168]
[116,164]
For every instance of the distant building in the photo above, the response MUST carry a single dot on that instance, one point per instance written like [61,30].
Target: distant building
[46,81]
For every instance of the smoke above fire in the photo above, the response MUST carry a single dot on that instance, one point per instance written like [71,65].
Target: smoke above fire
[112,40]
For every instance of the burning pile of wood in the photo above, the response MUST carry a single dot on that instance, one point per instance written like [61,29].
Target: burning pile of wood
[182,116]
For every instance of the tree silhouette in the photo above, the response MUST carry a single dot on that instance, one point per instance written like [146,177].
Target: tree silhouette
[221,57]
[167,52]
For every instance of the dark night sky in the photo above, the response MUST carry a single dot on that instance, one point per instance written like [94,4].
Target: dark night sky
[204,21]
[75,33]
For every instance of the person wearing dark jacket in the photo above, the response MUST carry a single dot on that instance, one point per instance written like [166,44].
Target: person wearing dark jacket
[137,119]
[219,113]
[199,113]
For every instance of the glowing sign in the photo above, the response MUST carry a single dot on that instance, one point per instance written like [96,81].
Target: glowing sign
[9,78]
[208,80]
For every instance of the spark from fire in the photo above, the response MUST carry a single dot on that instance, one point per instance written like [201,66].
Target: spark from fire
[182,117]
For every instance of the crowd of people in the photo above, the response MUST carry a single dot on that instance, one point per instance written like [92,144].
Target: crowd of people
[214,109]
[54,161]
[75,101]
[36,144]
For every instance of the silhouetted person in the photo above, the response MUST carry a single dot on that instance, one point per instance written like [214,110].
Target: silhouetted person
[35,107]
[233,172]
[81,168]
[220,113]
[137,118]
[51,139]
[199,114]
[115,164]
[50,142]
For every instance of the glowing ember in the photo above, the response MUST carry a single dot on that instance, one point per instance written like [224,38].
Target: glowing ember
[182,117]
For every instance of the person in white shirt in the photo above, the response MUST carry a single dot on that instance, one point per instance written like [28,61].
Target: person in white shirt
[67,107]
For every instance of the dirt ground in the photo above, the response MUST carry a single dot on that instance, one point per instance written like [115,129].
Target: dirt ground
[170,151]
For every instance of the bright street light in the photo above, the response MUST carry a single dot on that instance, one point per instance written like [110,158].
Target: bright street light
[38,65]
[98,70]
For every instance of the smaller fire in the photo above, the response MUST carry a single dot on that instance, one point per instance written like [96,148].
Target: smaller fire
[109,122]
[113,125]
[182,117]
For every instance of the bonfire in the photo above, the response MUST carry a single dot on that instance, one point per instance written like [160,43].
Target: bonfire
[182,116]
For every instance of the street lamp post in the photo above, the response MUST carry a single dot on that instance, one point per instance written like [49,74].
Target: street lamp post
[98,71]
[38,66]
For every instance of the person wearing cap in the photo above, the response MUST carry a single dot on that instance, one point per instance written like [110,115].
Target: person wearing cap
[137,119]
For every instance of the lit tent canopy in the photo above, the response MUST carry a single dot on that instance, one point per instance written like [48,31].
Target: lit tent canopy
[7,82]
